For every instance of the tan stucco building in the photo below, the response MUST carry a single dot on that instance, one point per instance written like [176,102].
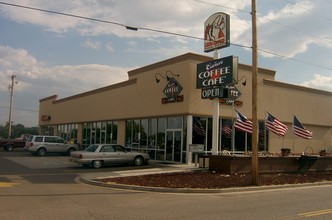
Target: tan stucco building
[164,118]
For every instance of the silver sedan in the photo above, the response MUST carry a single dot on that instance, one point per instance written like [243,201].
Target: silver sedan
[98,155]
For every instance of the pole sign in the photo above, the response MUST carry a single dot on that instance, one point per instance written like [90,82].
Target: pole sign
[233,93]
[215,73]
[216,32]
[214,92]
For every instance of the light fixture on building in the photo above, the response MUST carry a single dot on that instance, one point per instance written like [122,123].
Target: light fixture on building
[170,72]
[157,79]
[244,83]
[168,76]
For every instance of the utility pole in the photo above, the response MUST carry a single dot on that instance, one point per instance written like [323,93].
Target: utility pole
[254,97]
[11,91]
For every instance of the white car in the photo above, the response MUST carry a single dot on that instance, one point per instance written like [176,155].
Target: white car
[98,155]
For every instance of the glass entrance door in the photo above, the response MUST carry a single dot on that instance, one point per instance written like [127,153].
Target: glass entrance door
[174,145]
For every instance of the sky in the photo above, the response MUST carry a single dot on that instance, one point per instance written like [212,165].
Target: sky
[53,54]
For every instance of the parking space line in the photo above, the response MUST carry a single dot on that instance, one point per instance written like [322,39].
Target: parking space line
[7,184]
[315,213]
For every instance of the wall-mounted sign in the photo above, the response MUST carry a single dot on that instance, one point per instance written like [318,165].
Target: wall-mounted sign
[172,91]
[45,118]
[216,32]
[230,102]
[215,73]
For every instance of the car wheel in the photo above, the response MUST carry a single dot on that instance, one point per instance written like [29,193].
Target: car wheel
[138,161]
[70,150]
[41,152]
[97,163]
[9,147]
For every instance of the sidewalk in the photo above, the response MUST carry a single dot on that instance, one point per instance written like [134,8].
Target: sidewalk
[152,168]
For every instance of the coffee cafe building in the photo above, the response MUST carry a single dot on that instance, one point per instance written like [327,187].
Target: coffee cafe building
[159,110]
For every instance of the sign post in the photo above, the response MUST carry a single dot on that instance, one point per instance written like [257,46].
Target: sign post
[219,72]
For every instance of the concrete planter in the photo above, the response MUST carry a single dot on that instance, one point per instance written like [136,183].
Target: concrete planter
[242,164]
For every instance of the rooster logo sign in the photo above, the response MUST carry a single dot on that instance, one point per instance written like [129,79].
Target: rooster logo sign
[216,32]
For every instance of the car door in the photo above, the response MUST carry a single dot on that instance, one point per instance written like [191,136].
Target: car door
[61,145]
[108,154]
[50,144]
[123,156]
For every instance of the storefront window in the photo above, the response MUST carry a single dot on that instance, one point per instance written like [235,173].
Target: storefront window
[149,135]
[68,132]
[47,130]
[199,130]
[174,123]
[86,135]
[111,132]
[99,133]
[143,134]
[129,132]
[161,133]
[226,134]
[136,134]
[152,139]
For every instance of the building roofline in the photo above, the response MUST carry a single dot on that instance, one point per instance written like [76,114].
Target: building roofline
[297,87]
[92,92]
[48,98]
[192,56]
[186,56]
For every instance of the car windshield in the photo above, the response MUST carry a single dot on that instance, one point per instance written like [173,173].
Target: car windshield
[91,148]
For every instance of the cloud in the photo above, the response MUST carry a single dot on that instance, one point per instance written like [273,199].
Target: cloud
[37,81]
[178,16]
[319,82]
[109,47]
[95,45]
[291,30]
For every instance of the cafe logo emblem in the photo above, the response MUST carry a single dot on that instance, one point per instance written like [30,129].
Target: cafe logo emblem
[172,91]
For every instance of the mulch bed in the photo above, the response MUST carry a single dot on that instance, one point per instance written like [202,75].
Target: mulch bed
[215,180]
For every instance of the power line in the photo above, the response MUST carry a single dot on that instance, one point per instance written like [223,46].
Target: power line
[310,11]
[274,21]
[21,109]
[222,6]
[167,32]
[290,58]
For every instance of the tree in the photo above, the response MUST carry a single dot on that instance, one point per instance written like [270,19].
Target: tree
[17,130]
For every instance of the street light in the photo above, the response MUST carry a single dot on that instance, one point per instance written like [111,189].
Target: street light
[11,91]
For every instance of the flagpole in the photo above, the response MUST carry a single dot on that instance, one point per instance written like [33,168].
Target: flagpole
[233,130]
[265,148]
[246,144]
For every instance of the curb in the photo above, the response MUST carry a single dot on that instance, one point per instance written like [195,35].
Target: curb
[195,190]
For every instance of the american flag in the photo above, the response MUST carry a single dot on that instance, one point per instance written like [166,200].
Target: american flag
[242,123]
[275,126]
[226,130]
[198,128]
[300,130]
